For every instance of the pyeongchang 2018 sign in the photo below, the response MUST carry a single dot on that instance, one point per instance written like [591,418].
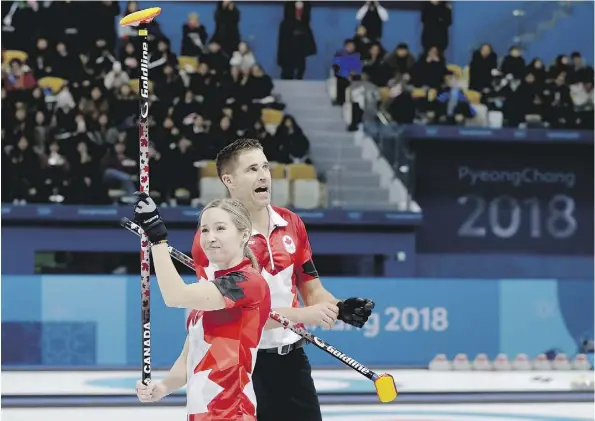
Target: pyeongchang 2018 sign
[505,196]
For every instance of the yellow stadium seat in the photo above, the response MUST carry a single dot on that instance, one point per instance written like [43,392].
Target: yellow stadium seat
[184,61]
[14,54]
[208,169]
[458,72]
[384,94]
[51,82]
[473,96]
[301,172]
[277,171]
[271,117]
[418,93]
[432,94]
[134,84]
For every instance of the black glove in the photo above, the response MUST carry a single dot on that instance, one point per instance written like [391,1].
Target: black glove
[146,215]
[355,311]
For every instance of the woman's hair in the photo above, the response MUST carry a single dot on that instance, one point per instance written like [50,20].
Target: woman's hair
[241,219]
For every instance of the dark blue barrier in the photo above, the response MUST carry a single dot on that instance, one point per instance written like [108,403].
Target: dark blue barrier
[189,216]
[32,229]
[498,202]
[94,321]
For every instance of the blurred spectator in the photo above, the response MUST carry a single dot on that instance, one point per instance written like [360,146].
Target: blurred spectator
[342,83]
[483,62]
[243,58]
[102,134]
[184,180]
[259,85]
[217,59]
[376,67]
[559,66]
[537,68]
[296,40]
[513,63]
[452,106]
[371,16]
[160,59]
[41,59]
[401,106]
[362,42]
[401,61]
[272,146]
[430,69]
[364,99]
[100,62]
[25,170]
[101,25]
[19,77]
[578,72]
[85,184]
[436,18]
[115,77]
[194,37]
[296,146]
[128,59]
[118,167]
[227,30]
[70,146]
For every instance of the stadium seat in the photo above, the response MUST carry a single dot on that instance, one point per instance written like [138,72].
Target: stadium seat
[271,116]
[432,94]
[419,93]
[207,168]
[280,186]
[456,70]
[271,119]
[277,171]
[384,94]
[305,186]
[9,55]
[306,194]
[211,187]
[300,172]
[186,61]
[52,83]
[473,96]
[134,84]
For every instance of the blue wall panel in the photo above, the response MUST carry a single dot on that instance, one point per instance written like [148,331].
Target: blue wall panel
[95,321]
[331,25]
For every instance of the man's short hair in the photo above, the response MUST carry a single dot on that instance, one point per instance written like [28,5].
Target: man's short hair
[226,158]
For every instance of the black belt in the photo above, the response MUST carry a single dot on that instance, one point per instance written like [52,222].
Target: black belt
[284,349]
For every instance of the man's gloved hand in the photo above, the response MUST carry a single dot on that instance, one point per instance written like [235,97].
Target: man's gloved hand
[146,215]
[355,311]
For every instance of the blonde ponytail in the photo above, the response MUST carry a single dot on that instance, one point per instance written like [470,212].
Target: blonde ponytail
[250,255]
[241,219]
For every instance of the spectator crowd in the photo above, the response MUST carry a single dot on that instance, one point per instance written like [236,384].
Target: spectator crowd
[70,104]
[429,90]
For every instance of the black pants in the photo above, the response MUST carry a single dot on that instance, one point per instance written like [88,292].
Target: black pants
[284,388]
[294,70]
